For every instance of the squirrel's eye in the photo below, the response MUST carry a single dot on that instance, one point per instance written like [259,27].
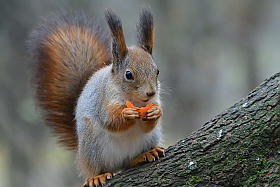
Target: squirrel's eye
[157,71]
[128,75]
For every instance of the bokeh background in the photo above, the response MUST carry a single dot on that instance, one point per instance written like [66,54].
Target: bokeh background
[210,55]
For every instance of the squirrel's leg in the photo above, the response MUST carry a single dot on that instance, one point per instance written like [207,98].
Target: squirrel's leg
[120,119]
[97,180]
[150,121]
[149,156]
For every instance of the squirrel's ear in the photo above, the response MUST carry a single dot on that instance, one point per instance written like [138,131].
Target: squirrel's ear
[119,49]
[145,30]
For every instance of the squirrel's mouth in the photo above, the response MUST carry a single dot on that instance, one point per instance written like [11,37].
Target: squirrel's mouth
[145,101]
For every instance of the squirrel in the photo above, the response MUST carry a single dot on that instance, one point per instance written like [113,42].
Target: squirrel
[83,77]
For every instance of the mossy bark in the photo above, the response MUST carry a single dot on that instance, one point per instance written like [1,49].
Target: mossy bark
[239,147]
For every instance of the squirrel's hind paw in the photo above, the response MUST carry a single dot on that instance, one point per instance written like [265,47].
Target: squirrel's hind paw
[149,156]
[97,180]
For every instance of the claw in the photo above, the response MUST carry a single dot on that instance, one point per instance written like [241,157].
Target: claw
[157,156]
[97,180]
[163,153]
[145,159]
[149,156]
[153,114]
[134,109]
[130,113]
[109,176]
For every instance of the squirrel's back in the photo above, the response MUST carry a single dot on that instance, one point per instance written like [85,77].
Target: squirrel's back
[66,49]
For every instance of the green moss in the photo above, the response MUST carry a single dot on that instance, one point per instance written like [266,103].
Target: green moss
[193,180]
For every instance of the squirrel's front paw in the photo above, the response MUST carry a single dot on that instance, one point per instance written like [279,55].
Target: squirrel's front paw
[97,180]
[153,114]
[131,113]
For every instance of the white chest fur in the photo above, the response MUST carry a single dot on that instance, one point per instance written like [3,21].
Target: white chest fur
[121,148]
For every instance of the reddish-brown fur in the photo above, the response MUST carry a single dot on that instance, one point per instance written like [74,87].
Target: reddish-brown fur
[116,121]
[65,58]
[119,48]
[145,30]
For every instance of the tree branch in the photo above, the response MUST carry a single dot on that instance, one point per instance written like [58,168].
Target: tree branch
[239,147]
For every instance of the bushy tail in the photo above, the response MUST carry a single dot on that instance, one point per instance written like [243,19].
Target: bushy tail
[66,49]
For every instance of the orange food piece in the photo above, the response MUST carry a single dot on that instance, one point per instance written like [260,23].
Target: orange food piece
[142,109]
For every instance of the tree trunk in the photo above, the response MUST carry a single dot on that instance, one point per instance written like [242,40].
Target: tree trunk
[239,147]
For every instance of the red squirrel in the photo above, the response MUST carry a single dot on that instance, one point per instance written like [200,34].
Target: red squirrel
[83,78]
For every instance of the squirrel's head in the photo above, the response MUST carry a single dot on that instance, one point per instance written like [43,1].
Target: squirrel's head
[133,68]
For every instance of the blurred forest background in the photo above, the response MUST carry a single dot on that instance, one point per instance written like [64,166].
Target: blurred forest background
[210,55]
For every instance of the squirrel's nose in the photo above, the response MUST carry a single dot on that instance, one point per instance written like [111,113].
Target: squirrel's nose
[150,94]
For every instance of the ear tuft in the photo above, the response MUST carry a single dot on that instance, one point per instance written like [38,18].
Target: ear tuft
[119,49]
[145,30]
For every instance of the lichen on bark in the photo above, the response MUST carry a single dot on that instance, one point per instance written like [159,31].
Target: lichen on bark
[239,147]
